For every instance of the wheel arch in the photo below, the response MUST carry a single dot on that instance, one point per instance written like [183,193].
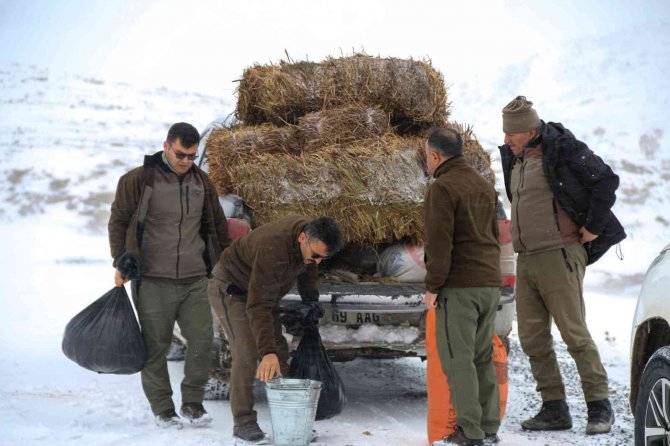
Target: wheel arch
[650,336]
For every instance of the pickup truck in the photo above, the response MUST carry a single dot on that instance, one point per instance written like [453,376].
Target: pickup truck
[371,319]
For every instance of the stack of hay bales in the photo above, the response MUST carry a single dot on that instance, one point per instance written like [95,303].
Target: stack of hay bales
[342,138]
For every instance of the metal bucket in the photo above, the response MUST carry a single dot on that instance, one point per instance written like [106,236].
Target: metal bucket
[292,405]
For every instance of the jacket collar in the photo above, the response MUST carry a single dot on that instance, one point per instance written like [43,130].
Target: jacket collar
[450,164]
[294,251]
[156,160]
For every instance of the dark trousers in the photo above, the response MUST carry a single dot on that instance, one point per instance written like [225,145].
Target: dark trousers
[231,310]
[549,287]
[464,334]
[159,303]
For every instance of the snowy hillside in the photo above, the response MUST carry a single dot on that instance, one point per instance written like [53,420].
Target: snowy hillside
[67,139]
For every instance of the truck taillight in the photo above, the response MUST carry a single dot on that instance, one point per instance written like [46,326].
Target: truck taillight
[509,281]
[504,231]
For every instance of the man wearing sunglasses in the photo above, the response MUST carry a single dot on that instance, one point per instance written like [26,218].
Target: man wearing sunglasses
[167,213]
[253,274]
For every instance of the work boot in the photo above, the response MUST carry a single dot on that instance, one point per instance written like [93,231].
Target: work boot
[491,439]
[554,416]
[458,438]
[195,414]
[249,433]
[169,418]
[601,417]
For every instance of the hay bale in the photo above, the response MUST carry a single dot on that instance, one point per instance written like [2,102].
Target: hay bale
[241,139]
[473,152]
[341,125]
[374,188]
[412,92]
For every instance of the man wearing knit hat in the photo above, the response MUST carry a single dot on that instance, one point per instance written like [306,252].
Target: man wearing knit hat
[561,195]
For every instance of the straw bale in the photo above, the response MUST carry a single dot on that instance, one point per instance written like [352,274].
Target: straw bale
[266,138]
[473,152]
[412,92]
[342,125]
[374,188]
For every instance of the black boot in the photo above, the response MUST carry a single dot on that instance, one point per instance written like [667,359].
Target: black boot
[554,416]
[601,417]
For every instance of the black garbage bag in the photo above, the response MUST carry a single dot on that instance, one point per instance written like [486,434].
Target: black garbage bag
[295,316]
[310,361]
[105,337]
[128,265]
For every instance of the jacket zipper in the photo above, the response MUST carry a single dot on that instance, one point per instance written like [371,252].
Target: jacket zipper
[518,188]
[187,202]
[181,220]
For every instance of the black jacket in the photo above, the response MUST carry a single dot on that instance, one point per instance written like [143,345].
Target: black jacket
[582,184]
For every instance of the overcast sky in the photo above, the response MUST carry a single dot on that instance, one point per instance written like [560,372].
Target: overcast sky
[204,45]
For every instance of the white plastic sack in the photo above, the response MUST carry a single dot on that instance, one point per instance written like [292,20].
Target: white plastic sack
[403,263]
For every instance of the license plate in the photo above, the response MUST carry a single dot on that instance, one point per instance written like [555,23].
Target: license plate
[407,316]
[354,317]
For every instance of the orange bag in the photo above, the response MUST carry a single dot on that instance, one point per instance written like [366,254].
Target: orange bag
[441,414]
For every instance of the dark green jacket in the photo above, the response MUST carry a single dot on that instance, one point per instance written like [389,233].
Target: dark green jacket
[131,203]
[462,249]
[262,266]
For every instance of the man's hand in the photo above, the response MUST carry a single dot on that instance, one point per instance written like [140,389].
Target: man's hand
[268,368]
[430,300]
[118,280]
[586,236]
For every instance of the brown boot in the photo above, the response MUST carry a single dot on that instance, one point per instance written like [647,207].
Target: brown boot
[195,413]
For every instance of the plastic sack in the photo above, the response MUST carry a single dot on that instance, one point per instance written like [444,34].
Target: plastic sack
[402,262]
[237,227]
[310,361]
[296,316]
[105,337]
[441,417]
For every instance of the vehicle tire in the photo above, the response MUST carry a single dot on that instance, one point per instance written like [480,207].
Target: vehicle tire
[652,408]
[177,351]
[217,387]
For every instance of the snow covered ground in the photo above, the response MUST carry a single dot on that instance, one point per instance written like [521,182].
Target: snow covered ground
[65,141]
[45,399]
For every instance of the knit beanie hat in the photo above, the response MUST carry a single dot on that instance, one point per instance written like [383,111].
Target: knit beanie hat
[519,116]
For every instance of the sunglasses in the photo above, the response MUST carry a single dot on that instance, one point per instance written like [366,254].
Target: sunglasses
[316,255]
[182,155]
